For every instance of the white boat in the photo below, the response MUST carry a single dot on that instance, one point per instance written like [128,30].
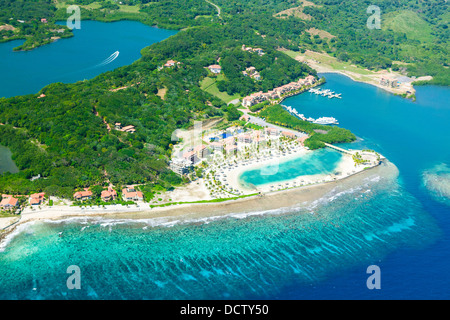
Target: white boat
[326,120]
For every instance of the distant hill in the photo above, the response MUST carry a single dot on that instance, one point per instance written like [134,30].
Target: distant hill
[408,22]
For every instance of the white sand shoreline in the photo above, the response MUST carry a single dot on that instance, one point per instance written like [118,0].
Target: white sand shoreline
[346,167]
[271,201]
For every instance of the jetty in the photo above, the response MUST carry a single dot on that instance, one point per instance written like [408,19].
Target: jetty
[339,149]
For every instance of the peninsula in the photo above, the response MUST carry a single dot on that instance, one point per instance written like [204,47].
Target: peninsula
[112,139]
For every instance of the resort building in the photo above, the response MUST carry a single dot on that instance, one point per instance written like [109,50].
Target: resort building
[389,82]
[259,51]
[254,98]
[37,199]
[9,202]
[276,93]
[109,194]
[201,151]
[231,149]
[272,132]
[190,156]
[130,194]
[170,63]
[245,138]
[180,166]
[302,139]
[215,68]
[252,73]
[130,129]
[310,80]
[288,134]
[260,140]
[229,141]
[216,145]
[83,195]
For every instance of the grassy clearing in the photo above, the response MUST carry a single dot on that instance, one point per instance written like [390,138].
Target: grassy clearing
[129,9]
[410,23]
[203,16]
[97,5]
[6,214]
[329,62]
[209,85]
[162,93]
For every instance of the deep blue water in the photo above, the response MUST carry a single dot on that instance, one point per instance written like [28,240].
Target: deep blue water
[77,58]
[315,251]
[415,136]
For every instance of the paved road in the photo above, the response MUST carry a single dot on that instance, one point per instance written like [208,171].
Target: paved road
[263,123]
[217,7]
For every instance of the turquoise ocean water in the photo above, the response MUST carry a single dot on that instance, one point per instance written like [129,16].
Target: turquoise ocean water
[395,220]
[323,161]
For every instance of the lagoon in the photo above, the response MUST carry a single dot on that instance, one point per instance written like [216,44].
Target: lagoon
[322,161]
[81,57]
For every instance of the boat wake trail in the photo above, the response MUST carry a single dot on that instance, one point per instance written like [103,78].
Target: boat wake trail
[108,60]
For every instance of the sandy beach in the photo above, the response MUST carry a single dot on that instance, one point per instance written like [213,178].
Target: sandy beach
[324,63]
[346,167]
[278,200]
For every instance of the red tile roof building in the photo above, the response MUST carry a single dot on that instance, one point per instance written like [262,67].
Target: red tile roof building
[130,194]
[288,134]
[37,198]
[302,139]
[8,202]
[170,63]
[215,68]
[109,194]
[83,195]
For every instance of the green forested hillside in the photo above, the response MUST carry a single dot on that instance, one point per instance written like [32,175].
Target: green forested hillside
[68,136]
[68,127]
[412,31]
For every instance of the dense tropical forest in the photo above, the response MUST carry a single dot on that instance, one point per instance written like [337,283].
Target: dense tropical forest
[275,68]
[319,134]
[21,20]
[68,135]
[414,34]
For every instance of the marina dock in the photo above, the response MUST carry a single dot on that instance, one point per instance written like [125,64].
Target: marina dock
[322,120]
[326,93]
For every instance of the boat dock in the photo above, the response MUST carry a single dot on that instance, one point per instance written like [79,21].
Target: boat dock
[339,149]
[326,93]
[322,120]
